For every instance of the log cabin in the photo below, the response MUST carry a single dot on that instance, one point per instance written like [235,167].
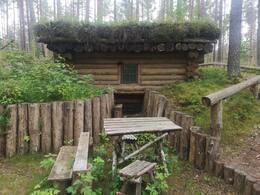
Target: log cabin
[131,57]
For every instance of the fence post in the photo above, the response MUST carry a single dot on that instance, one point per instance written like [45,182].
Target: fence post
[118,111]
[216,123]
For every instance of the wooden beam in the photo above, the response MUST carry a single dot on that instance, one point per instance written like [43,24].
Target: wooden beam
[216,97]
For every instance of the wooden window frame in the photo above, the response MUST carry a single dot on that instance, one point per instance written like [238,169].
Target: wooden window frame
[121,73]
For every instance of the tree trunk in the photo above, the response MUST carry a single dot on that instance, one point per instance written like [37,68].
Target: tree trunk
[58,9]
[202,9]
[258,36]
[220,19]
[191,7]
[7,19]
[54,10]
[162,10]
[87,11]
[31,23]
[22,25]
[100,10]
[14,22]
[115,11]
[78,10]
[137,10]
[235,39]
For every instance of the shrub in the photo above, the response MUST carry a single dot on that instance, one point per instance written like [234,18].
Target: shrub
[27,79]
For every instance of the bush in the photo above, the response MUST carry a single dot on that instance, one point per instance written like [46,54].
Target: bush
[27,79]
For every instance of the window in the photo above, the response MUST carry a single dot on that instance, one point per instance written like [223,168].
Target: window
[129,73]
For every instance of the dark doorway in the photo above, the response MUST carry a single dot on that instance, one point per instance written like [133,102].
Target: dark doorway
[132,102]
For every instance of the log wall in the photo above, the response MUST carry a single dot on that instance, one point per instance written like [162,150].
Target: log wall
[45,127]
[200,149]
[154,70]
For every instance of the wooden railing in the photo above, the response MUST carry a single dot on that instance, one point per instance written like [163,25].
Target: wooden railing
[224,65]
[214,101]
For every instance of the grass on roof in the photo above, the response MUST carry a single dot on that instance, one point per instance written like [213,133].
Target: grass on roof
[65,31]
[241,112]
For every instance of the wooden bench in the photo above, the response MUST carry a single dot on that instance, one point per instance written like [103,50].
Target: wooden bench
[61,172]
[134,172]
[81,159]
[71,161]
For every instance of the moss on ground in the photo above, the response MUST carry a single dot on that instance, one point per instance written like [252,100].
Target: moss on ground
[241,111]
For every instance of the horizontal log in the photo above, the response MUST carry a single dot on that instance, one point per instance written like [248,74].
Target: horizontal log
[94,66]
[166,82]
[98,71]
[149,71]
[161,77]
[227,92]
[106,82]
[164,65]
[105,77]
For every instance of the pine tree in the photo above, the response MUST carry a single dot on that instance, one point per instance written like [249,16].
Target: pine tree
[258,36]
[220,41]
[235,39]
[22,25]
[251,21]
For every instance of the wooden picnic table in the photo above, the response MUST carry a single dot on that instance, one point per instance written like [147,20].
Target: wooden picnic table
[118,127]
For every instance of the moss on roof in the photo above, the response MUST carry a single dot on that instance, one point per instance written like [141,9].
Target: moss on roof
[68,32]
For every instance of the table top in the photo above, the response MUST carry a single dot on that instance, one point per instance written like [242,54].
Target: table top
[123,126]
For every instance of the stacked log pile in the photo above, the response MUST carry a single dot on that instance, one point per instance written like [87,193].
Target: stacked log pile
[45,127]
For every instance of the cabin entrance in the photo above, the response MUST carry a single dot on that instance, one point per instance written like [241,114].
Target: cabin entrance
[132,103]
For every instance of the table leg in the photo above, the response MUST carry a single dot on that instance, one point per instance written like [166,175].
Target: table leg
[115,158]
[162,156]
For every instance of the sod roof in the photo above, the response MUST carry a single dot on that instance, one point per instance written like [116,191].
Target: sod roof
[66,36]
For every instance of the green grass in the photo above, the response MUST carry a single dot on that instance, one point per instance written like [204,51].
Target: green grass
[20,174]
[241,111]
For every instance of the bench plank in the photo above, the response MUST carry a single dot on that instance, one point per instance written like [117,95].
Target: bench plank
[81,159]
[137,169]
[62,168]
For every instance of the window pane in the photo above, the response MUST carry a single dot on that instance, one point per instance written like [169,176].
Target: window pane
[129,73]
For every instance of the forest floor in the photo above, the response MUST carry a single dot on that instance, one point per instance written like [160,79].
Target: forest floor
[246,156]
[190,181]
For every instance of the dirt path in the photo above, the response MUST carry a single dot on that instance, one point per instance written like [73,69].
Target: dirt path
[245,156]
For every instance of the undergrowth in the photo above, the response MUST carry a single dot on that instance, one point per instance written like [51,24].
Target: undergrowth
[28,79]
[241,111]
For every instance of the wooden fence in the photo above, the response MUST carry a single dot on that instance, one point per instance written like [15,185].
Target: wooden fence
[45,127]
[200,149]
[223,65]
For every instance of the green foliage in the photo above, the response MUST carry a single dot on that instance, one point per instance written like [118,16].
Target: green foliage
[241,111]
[45,188]
[160,184]
[82,185]
[27,79]
[68,32]
[48,162]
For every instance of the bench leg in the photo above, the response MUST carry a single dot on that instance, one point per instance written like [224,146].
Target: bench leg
[138,190]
